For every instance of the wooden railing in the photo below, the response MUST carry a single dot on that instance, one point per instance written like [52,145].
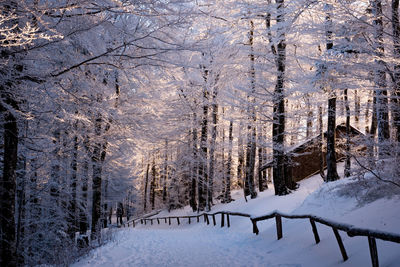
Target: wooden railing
[205,215]
[351,230]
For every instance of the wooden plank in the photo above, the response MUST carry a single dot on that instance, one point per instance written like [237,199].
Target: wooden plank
[227,220]
[373,251]
[315,231]
[340,243]
[222,219]
[213,216]
[278,220]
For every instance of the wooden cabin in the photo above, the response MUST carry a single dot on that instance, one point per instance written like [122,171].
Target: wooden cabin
[303,160]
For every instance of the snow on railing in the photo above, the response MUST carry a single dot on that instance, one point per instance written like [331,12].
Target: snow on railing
[351,230]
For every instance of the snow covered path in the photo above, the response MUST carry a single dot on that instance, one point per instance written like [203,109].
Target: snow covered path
[199,244]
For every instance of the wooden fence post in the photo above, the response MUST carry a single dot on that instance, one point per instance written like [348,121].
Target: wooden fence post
[177,219]
[158,221]
[213,216]
[165,219]
[141,221]
[208,221]
[133,223]
[169,220]
[373,251]
[145,221]
[151,221]
[222,219]
[198,218]
[255,228]
[227,220]
[340,242]
[315,231]
[278,220]
[189,220]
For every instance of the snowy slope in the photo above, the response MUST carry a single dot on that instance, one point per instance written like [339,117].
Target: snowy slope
[206,245]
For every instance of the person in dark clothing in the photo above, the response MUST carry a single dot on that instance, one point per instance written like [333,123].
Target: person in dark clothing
[120,212]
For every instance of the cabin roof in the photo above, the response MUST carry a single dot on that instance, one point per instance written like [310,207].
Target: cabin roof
[299,148]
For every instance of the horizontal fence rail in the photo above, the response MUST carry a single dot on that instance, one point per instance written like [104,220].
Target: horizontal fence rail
[350,230]
[168,219]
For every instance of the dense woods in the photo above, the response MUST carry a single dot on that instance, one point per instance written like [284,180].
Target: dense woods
[163,104]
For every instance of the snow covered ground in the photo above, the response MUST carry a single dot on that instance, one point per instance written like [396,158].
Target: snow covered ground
[199,244]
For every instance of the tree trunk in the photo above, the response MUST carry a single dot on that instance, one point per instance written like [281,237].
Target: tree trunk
[278,126]
[83,217]
[380,79]
[396,52]
[146,183]
[153,185]
[240,166]
[251,124]
[310,120]
[348,156]
[72,219]
[211,170]
[357,108]
[320,145]
[165,174]
[227,196]
[192,201]
[97,182]
[203,171]
[332,174]
[261,179]
[8,182]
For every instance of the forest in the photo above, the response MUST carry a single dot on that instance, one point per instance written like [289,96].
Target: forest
[160,104]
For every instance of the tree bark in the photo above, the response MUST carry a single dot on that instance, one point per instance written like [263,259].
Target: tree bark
[240,166]
[396,52]
[227,196]
[72,218]
[347,165]
[251,124]
[380,79]
[357,108]
[146,183]
[320,145]
[332,174]
[192,201]
[8,182]
[153,185]
[203,171]
[165,174]
[211,170]
[278,126]
[97,183]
